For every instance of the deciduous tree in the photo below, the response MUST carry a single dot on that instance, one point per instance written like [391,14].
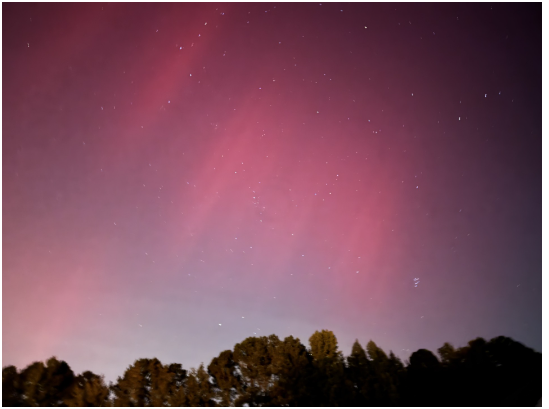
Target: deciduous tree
[46,385]
[224,372]
[88,389]
[145,383]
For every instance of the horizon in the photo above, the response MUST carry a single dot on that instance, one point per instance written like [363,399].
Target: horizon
[405,362]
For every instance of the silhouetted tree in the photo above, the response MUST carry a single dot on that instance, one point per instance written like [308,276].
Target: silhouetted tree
[88,389]
[424,359]
[332,387]
[381,382]
[447,354]
[45,385]
[518,371]
[265,371]
[358,371]
[501,372]
[422,386]
[396,371]
[291,363]
[11,388]
[324,345]
[30,380]
[224,372]
[198,390]
[254,358]
[176,393]
[146,383]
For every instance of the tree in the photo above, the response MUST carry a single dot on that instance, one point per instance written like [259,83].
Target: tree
[224,372]
[424,387]
[30,378]
[376,354]
[381,382]
[46,385]
[424,359]
[11,389]
[324,345]
[358,371]
[88,389]
[176,393]
[254,359]
[357,361]
[292,368]
[198,390]
[447,354]
[329,375]
[517,370]
[501,372]
[146,383]
[473,373]
[396,372]
[265,371]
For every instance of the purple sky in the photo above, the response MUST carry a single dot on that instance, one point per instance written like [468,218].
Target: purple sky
[178,177]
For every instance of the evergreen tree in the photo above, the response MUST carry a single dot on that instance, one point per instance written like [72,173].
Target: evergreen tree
[381,382]
[358,370]
[396,372]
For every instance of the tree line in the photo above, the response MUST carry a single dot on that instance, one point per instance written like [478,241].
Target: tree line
[267,371]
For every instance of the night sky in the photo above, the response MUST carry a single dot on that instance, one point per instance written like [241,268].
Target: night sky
[178,177]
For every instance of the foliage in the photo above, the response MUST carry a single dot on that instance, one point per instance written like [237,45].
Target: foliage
[226,379]
[198,389]
[88,389]
[37,384]
[265,371]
